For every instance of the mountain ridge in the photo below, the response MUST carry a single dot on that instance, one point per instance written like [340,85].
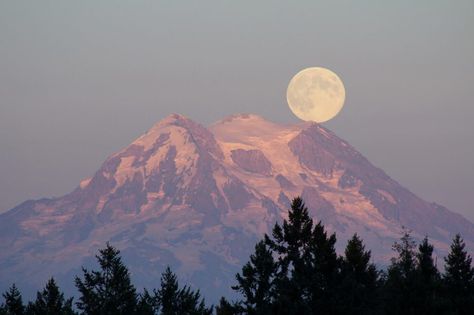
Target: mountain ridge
[198,198]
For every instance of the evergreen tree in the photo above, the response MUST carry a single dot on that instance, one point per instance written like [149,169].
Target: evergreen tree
[324,272]
[400,283]
[171,300]
[190,302]
[405,262]
[256,281]
[427,280]
[146,304]
[13,304]
[307,268]
[359,278]
[227,308]
[291,243]
[50,301]
[108,291]
[167,295]
[459,278]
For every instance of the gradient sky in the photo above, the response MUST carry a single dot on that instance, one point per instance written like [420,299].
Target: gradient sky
[79,80]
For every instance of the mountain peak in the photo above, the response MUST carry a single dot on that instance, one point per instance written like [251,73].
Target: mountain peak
[314,127]
[245,126]
[242,116]
[198,198]
[178,124]
[172,119]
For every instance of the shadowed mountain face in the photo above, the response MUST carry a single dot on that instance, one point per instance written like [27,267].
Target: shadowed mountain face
[199,198]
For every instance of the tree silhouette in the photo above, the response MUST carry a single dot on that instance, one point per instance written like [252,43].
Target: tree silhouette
[427,280]
[291,243]
[359,279]
[227,308]
[13,302]
[171,300]
[307,268]
[459,278]
[108,291]
[256,281]
[323,271]
[168,294]
[146,304]
[399,287]
[296,270]
[50,301]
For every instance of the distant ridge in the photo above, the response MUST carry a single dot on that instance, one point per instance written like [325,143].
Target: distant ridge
[198,198]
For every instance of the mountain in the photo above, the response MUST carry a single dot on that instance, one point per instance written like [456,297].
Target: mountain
[199,198]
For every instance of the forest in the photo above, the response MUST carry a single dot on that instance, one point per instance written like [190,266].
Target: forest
[295,270]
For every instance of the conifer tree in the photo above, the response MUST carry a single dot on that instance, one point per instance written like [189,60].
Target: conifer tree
[307,268]
[405,262]
[168,294]
[190,302]
[359,278]
[13,304]
[256,281]
[400,283]
[459,278]
[291,243]
[171,300]
[107,291]
[50,301]
[323,271]
[227,308]
[427,280]
[146,304]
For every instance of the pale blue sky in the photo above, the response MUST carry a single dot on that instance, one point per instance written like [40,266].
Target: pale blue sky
[81,79]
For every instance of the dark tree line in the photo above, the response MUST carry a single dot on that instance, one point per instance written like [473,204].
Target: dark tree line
[109,291]
[296,270]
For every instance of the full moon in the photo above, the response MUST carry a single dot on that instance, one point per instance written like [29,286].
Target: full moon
[316,94]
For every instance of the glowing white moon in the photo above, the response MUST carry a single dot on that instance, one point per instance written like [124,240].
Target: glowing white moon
[316,94]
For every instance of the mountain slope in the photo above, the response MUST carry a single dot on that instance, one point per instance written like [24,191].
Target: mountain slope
[198,198]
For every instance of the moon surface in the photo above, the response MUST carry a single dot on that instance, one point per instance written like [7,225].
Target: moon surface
[316,94]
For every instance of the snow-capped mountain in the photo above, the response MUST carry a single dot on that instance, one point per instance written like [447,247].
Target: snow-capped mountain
[199,198]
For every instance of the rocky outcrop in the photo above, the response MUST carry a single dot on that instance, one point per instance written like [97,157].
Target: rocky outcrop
[253,161]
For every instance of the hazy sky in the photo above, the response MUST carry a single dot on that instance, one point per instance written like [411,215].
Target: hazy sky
[81,79]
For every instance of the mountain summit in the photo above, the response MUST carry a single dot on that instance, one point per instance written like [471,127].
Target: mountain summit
[199,198]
